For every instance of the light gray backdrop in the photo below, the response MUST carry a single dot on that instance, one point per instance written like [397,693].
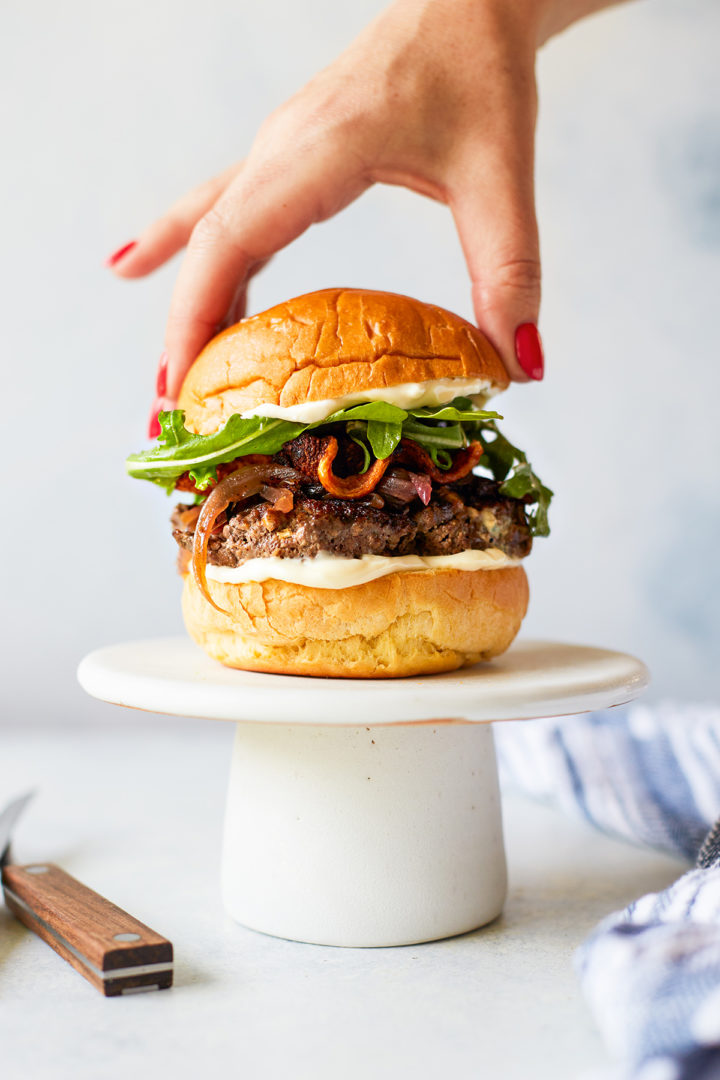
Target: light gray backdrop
[110,110]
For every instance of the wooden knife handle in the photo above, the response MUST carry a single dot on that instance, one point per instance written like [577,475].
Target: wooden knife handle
[114,952]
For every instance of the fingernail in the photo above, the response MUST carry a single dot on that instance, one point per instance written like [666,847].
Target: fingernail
[529,350]
[114,259]
[154,428]
[161,381]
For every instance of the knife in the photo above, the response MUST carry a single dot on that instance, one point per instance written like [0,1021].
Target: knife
[115,952]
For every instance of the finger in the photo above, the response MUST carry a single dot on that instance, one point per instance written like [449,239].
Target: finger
[494,211]
[238,307]
[267,206]
[171,232]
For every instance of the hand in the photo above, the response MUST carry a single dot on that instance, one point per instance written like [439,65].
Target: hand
[435,95]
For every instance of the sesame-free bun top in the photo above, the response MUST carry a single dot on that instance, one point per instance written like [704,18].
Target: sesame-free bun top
[329,344]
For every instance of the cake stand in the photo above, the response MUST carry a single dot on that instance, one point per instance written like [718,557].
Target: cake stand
[363,812]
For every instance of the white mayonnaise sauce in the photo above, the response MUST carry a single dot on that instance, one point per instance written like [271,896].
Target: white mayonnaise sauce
[405,395]
[337,572]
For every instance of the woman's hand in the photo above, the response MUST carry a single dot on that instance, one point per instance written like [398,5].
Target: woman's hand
[435,95]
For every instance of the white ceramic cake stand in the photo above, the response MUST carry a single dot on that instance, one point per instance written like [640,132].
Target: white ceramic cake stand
[363,813]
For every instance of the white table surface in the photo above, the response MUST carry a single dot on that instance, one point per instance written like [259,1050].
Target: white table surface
[134,808]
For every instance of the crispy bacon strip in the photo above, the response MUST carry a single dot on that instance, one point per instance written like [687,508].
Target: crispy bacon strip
[411,453]
[348,487]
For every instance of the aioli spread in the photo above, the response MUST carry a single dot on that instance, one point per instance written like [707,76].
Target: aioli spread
[326,571]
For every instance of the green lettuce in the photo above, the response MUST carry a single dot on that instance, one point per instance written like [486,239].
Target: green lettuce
[510,465]
[377,427]
[178,451]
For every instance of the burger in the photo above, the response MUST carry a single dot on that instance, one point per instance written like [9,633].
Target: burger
[354,509]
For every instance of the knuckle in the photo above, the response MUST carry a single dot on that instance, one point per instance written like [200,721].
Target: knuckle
[273,123]
[218,232]
[326,109]
[520,275]
[212,228]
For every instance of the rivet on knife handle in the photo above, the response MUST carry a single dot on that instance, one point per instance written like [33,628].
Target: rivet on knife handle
[115,952]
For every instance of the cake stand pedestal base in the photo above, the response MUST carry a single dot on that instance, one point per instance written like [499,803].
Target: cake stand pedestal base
[364,836]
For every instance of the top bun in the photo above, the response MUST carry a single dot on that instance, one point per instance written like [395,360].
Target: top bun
[328,344]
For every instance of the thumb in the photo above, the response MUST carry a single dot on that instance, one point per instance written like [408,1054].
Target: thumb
[494,211]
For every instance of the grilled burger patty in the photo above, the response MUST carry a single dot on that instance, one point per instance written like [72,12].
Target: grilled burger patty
[468,514]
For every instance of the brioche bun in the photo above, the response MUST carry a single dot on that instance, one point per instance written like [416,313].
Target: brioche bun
[408,623]
[328,344]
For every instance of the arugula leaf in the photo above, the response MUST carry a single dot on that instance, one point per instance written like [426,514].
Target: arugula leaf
[373,410]
[356,429]
[438,430]
[451,436]
[524,483]
[440,457]
[383,437]
[501,457]
[449,412]
[179,451]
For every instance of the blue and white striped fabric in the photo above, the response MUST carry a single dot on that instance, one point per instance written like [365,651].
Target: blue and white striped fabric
[651,973]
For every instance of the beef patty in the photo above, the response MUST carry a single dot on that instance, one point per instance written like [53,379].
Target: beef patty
[469,514]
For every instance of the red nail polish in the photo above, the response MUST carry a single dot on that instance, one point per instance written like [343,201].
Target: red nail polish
[154,428]
[161,381]
[116,256]
[529,350]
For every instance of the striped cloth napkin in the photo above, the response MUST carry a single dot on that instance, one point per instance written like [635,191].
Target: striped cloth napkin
[650,973]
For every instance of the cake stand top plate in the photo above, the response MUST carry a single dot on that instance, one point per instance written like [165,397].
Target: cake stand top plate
[532,679]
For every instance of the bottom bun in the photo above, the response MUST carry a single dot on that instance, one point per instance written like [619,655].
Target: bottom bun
[414,623]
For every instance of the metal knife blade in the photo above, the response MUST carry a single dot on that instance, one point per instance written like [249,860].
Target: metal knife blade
[9,816]
[115,952]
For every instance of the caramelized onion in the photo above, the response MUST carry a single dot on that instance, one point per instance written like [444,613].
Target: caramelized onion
[398,485]
[410,452]
[422,485]
[279,498]
[187,519]
[240,485]
[220,523]
[406,486]
[348,487]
